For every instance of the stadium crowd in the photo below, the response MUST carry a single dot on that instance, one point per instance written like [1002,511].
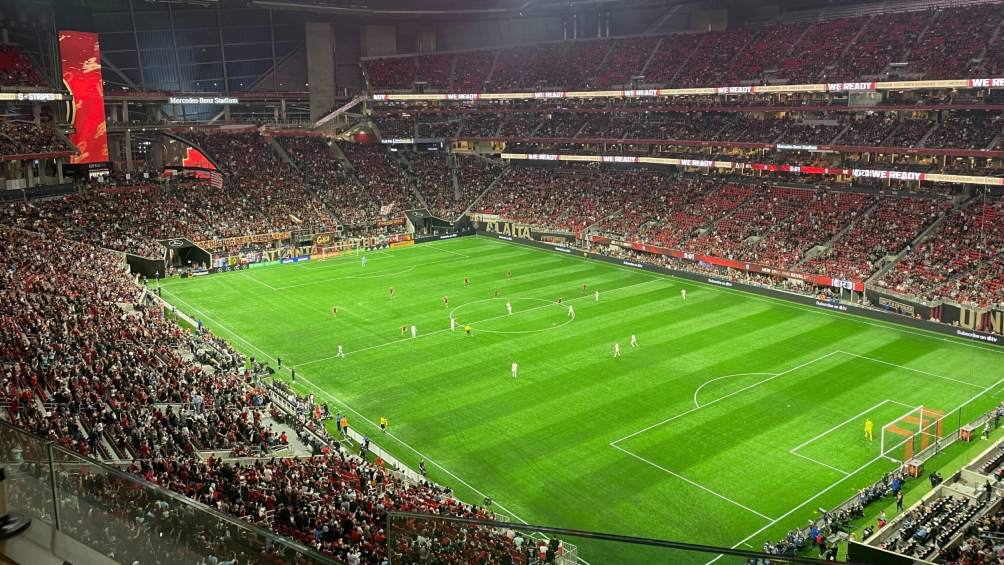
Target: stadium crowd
[885,231]
[17,70]
[92,364]
[27,138]
[327,176]
[948,43]
[962,260]
[782,227]
[963,130]
[566,200]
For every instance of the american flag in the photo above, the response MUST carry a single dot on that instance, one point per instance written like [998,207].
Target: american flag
[216,179]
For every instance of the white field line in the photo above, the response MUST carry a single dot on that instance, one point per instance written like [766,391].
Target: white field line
[350,409]
[402,340]
[780,302]
[807,501]
[401,271]
[794,450]
[439,248]
[709,381]
[378,274]
[343,260]
[692,483]
[844,423]
[255,279]
[841,480]
[731,394]
[363,274]
[981,387]
[827,465]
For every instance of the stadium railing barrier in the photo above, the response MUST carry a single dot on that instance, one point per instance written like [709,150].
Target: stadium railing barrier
[125,517]
[421,538]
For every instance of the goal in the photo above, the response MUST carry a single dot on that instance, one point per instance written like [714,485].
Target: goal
[337,249]
[911,433]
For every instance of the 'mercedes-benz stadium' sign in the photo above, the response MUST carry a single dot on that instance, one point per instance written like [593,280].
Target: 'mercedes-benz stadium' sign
[219,100]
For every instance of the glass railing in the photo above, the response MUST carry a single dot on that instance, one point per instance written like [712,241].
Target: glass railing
[126,518]
[421,538]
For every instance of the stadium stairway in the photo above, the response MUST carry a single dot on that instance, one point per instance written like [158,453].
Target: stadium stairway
[905,57]
[929,133]
[452,160]
[836,139]
[888,265]
[409,173]
[593,78]
[59,133]
[685,62]
[491,71]
[828,245]
[453,73]
[343,161]
[993,38]
[851,44]
[283,155]
[651,55]
[487,189]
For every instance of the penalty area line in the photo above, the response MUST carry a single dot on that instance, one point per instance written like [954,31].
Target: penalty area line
[775,521]
[937,376]
[840,481]
[693,483]
[719,399]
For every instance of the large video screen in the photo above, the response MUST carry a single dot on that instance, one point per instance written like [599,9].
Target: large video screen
[81,58]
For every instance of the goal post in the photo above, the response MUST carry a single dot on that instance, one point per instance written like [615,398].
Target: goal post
[337,249]
[911,433]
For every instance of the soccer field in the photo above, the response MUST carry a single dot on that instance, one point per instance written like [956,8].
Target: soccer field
[736,418]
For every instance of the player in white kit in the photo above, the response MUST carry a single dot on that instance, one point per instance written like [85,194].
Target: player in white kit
[571,311]
[683,294]
[414,331]
[515,369]
[508,306]
[341,352]
[634,341]
[617,350]
[597,295]
[453,324]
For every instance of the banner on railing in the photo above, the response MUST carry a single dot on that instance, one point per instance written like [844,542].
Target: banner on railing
[971,83]
[850,86]
[987,320]
[213,244]
[815,280]
[802,169]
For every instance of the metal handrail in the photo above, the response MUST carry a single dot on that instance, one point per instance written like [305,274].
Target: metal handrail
[601,536]
[51,448]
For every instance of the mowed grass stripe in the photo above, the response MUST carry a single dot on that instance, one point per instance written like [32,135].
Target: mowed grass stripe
[540,445]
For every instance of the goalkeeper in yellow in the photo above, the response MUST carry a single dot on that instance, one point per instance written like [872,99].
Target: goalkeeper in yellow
[869,426]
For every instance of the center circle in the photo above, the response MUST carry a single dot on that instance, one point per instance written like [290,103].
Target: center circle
[529,315]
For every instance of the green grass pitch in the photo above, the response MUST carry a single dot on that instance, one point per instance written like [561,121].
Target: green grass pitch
[736,418]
